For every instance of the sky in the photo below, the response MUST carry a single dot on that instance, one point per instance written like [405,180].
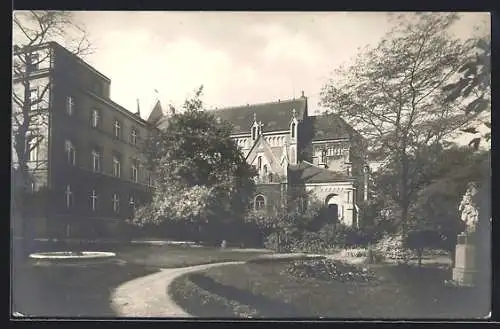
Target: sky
[239,57]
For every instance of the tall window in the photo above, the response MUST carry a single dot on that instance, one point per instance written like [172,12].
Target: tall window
[33,62]
[260,202]
[133,136]
[116,166]
[323,156]
[96,160]
[117,129]
[34,98]
[70,153]
[70,105]
[254,133]
[33,148]
[265,169]
[134,171]
[93,200]
[69,197]
[95,118]
[116,203]
[259,163]
[293,130]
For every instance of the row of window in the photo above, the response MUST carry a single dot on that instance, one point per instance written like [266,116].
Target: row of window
[96,121]
[257,130]
[94,200]
[96,160]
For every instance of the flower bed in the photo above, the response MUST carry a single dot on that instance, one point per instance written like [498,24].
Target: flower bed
[329,270]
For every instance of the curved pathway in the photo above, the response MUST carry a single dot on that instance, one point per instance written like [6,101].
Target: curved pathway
[148,296]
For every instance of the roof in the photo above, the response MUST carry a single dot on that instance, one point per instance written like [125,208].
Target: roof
[156,113]
[331,126]
[274,116]
[306,172]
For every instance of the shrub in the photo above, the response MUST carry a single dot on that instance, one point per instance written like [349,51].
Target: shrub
[391,247]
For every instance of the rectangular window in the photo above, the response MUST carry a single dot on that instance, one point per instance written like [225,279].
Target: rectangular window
[96,161]
[93,200]
[116,166]
[95,118]
[70,153]
[133,136]
[116,203]
[70,105]
[34,98]
[117,129]
[134,171]
[33,62]
[33,148]
[69,197]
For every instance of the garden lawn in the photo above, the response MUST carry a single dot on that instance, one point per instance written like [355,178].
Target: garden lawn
[71,291]
[270,291]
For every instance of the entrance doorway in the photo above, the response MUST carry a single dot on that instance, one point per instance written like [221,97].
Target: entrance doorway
[333,212]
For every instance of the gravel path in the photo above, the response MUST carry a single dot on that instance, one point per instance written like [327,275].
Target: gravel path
[147,296]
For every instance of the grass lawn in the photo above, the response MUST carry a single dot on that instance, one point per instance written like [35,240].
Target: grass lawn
[69,291]
[269,291]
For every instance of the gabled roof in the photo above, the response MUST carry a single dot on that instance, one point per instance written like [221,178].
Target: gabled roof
[156,113]
[274,116]
[331,126]
[306,172]
[268,152]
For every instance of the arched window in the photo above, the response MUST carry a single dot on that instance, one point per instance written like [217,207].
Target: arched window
[293,130]
[260,202]
[254,132]
[259,163]
[265,169]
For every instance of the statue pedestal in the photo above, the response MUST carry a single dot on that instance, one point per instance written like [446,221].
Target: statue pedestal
[465,270]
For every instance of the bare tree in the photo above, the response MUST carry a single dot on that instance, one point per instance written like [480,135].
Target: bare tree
[393,94]
[31,88]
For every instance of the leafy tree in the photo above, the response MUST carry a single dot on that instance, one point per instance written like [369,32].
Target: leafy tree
[32,29]
[201,175]
[393,95]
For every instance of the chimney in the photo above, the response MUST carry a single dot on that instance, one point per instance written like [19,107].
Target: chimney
[138,113]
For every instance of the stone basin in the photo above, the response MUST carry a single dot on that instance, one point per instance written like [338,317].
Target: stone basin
[71,257]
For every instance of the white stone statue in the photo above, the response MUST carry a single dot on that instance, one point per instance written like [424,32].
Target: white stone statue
[469,209]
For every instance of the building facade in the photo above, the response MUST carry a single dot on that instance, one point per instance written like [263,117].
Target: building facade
[86,165]
[294,151]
